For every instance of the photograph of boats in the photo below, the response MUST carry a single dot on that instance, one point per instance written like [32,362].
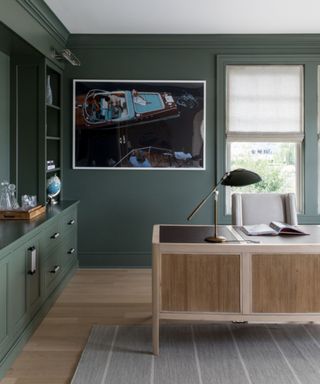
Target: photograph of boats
[138,124]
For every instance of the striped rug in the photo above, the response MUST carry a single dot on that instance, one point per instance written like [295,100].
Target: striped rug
[202,354]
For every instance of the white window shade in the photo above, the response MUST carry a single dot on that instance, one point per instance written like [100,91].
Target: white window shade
[264,99]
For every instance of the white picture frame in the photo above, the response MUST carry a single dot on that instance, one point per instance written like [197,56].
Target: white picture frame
[139,124]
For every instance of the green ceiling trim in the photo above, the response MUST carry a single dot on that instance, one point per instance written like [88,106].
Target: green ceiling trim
[223,42]
[39,10]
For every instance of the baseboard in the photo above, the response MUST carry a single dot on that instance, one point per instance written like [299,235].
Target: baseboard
[14,351]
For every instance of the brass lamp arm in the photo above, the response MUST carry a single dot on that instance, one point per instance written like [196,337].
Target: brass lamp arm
[202,202]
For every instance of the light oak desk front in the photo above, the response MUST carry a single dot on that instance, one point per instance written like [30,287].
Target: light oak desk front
[275,280]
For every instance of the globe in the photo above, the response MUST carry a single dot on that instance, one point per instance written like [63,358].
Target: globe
[53,188]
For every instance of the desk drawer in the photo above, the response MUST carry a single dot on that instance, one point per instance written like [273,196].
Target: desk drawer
[200,283]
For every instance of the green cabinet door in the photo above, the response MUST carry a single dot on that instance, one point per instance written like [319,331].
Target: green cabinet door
[24,289]
[3,306]
[17,291]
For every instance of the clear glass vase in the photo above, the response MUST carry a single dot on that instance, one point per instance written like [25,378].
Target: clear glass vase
[48,91]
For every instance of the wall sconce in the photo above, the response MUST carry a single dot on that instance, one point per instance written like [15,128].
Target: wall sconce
[66,55]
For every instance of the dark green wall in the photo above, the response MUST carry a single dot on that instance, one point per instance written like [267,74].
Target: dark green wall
[118,208]
[4,116]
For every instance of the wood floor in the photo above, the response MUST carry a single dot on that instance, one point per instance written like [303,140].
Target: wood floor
[91,297]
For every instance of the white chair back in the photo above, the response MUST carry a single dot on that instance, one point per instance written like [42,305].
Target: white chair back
[262,208]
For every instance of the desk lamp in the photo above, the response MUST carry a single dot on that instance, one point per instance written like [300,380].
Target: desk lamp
[236,178]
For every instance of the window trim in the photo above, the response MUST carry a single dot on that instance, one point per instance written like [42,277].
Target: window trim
[309,148]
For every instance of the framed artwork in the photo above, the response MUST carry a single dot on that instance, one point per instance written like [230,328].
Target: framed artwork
[139,124]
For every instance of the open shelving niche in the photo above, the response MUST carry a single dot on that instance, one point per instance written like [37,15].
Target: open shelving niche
[53,127]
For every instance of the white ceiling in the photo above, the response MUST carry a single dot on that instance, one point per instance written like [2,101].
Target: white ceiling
[188,16]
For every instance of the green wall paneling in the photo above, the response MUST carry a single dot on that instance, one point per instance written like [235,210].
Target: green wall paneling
[118,208]
[4,117]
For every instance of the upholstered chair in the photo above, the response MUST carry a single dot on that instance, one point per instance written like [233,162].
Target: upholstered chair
[262,208]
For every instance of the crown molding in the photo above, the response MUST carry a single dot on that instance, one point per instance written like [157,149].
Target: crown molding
[275,42]
[47,19]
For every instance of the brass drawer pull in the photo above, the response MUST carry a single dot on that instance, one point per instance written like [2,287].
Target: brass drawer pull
[55,269]
[71,251]
[71,222]
[55,235]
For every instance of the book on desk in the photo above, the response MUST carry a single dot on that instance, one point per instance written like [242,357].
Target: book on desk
[275,228]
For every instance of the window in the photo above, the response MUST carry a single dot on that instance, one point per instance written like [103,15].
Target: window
[265,126]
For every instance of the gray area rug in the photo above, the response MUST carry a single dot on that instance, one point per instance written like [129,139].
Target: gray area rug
[202,354]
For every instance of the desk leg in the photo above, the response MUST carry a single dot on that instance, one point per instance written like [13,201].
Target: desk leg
[155,298]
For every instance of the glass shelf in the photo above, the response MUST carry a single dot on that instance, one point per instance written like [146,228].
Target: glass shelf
[53,106]
[53,170]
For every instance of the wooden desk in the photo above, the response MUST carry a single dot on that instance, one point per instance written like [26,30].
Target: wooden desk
[275,280]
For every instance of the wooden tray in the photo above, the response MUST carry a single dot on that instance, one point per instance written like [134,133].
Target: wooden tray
[22,215]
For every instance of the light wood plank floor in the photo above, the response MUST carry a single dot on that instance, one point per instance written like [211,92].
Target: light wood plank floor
[91,297]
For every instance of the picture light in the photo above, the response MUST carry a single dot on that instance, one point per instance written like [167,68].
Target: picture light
[66,55]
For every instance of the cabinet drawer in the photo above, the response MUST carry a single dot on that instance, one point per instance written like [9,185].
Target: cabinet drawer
[69,221]
[51,237]
[69,254]
[52,269]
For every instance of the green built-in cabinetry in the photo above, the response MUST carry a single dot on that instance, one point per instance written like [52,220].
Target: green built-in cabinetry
[36,124]
[36,259]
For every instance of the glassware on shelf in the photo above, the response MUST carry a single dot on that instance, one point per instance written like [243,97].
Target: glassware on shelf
[5,201]
[28,202]
[13,199]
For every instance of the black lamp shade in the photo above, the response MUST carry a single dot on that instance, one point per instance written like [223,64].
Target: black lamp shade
[240,177]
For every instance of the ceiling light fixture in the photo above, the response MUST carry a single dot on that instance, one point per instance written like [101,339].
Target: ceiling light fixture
[66,55]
